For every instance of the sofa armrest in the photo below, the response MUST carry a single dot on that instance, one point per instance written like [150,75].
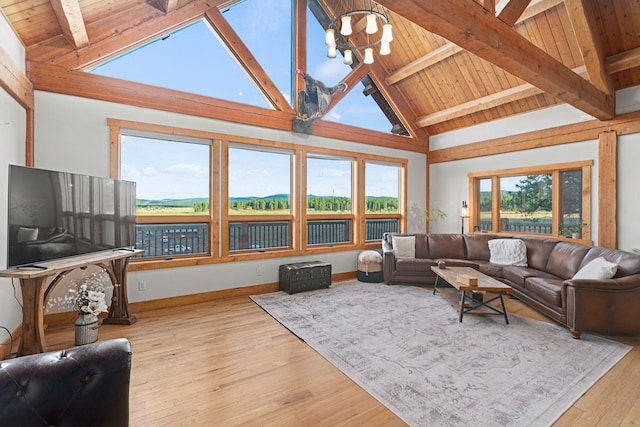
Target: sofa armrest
[86,385]
[611,305]
[388,265]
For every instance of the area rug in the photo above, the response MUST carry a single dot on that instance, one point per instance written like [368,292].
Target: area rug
[406,347]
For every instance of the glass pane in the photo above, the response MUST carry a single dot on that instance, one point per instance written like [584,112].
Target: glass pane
[328,186]
[324,232]
[382,184]
[486,195]
[259,182]
[172,177]
[259,235]
[571,222]
[191,59]
[262,25]
[166,240]
[375,228]
[525,204]
[359,108]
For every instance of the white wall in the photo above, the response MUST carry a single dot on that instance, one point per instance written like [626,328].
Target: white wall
[12,151]
[448,184]
[71,134]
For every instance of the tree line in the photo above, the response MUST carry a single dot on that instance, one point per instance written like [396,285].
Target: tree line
[317,203]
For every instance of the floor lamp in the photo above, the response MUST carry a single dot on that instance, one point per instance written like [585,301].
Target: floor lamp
[464,213]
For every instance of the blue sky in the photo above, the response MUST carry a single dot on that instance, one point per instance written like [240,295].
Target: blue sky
[194,60]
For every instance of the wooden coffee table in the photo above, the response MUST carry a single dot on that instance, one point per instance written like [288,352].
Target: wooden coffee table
[485,283]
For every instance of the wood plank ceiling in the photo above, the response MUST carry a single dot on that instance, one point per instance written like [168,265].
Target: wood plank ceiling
[453,63]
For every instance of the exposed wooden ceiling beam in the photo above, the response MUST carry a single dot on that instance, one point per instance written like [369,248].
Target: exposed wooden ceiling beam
[582,19]
[242,53]
[166,6]
[126,32]
[490,101]
[13,80]
[513,11]
[510,15]
[623,61]
[71,22]
[469,26]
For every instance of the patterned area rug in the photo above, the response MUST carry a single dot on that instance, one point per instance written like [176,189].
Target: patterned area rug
[406,348]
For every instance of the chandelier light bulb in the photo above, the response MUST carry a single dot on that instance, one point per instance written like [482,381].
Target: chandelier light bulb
[372,24]
[387,33]
[330,37]
[331,53]
[348,57]
[385,48]
[346,30]
[368,55]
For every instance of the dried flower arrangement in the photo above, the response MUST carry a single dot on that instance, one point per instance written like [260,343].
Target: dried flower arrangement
[87,295]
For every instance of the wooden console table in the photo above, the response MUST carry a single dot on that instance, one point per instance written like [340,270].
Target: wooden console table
[36,285]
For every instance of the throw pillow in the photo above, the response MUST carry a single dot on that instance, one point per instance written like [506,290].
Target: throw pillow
[597,269]
[27,234]
[404,246]
[508,252]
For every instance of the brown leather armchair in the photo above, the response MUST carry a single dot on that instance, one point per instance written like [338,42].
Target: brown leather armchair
[81,386]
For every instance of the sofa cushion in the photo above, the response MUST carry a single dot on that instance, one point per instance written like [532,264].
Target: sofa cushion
[27,234]
[477,245]
[404,246]
[565,259]
[508,252]
[627,262]
[446,246]
[545,289]
[538,251]
[414,264]
[597,269]
[493,270]
[518,275]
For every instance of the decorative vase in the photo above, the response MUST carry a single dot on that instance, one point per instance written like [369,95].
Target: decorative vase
[86,328]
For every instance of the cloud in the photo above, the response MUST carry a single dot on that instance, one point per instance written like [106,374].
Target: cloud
[334,172]
[129,173]
[149,171]
[258,172]
[330,72]
[185,169]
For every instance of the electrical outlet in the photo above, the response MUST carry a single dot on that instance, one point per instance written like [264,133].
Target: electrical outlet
[142,286]
[258,271]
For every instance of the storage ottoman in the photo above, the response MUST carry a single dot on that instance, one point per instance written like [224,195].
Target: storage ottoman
[304,276]
[370,267]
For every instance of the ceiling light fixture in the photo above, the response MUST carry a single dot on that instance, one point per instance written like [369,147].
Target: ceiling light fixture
[372,13]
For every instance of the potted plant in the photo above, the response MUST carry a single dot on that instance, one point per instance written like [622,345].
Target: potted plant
[573,230]
[433,216]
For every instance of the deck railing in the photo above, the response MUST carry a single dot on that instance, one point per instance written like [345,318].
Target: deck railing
[168,240]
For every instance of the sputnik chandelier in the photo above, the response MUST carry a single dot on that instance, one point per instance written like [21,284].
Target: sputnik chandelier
[344,26]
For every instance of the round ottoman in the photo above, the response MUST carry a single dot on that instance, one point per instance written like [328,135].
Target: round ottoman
[370,267]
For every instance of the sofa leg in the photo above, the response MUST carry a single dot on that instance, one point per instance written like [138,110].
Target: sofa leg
[575,334]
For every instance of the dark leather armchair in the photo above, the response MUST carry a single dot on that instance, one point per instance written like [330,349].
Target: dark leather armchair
[81,386]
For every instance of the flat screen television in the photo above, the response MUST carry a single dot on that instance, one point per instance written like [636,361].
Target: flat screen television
[54,215]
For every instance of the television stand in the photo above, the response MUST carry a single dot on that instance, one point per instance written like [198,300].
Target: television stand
[36,285]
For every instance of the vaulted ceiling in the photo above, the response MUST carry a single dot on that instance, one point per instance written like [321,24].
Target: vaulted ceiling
[453,63]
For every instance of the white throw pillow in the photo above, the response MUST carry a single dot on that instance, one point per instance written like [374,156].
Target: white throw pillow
[597,269]
[404,246]
[508,252]
[27,234]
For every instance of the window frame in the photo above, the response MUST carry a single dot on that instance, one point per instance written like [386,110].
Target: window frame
[400,216]
[307,217]
[555,171]
[242,143]
[218,217]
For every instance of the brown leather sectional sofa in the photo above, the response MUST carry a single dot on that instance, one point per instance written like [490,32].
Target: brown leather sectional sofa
[606,305]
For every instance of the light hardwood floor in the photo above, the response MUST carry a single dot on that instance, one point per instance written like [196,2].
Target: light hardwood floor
[228,363]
